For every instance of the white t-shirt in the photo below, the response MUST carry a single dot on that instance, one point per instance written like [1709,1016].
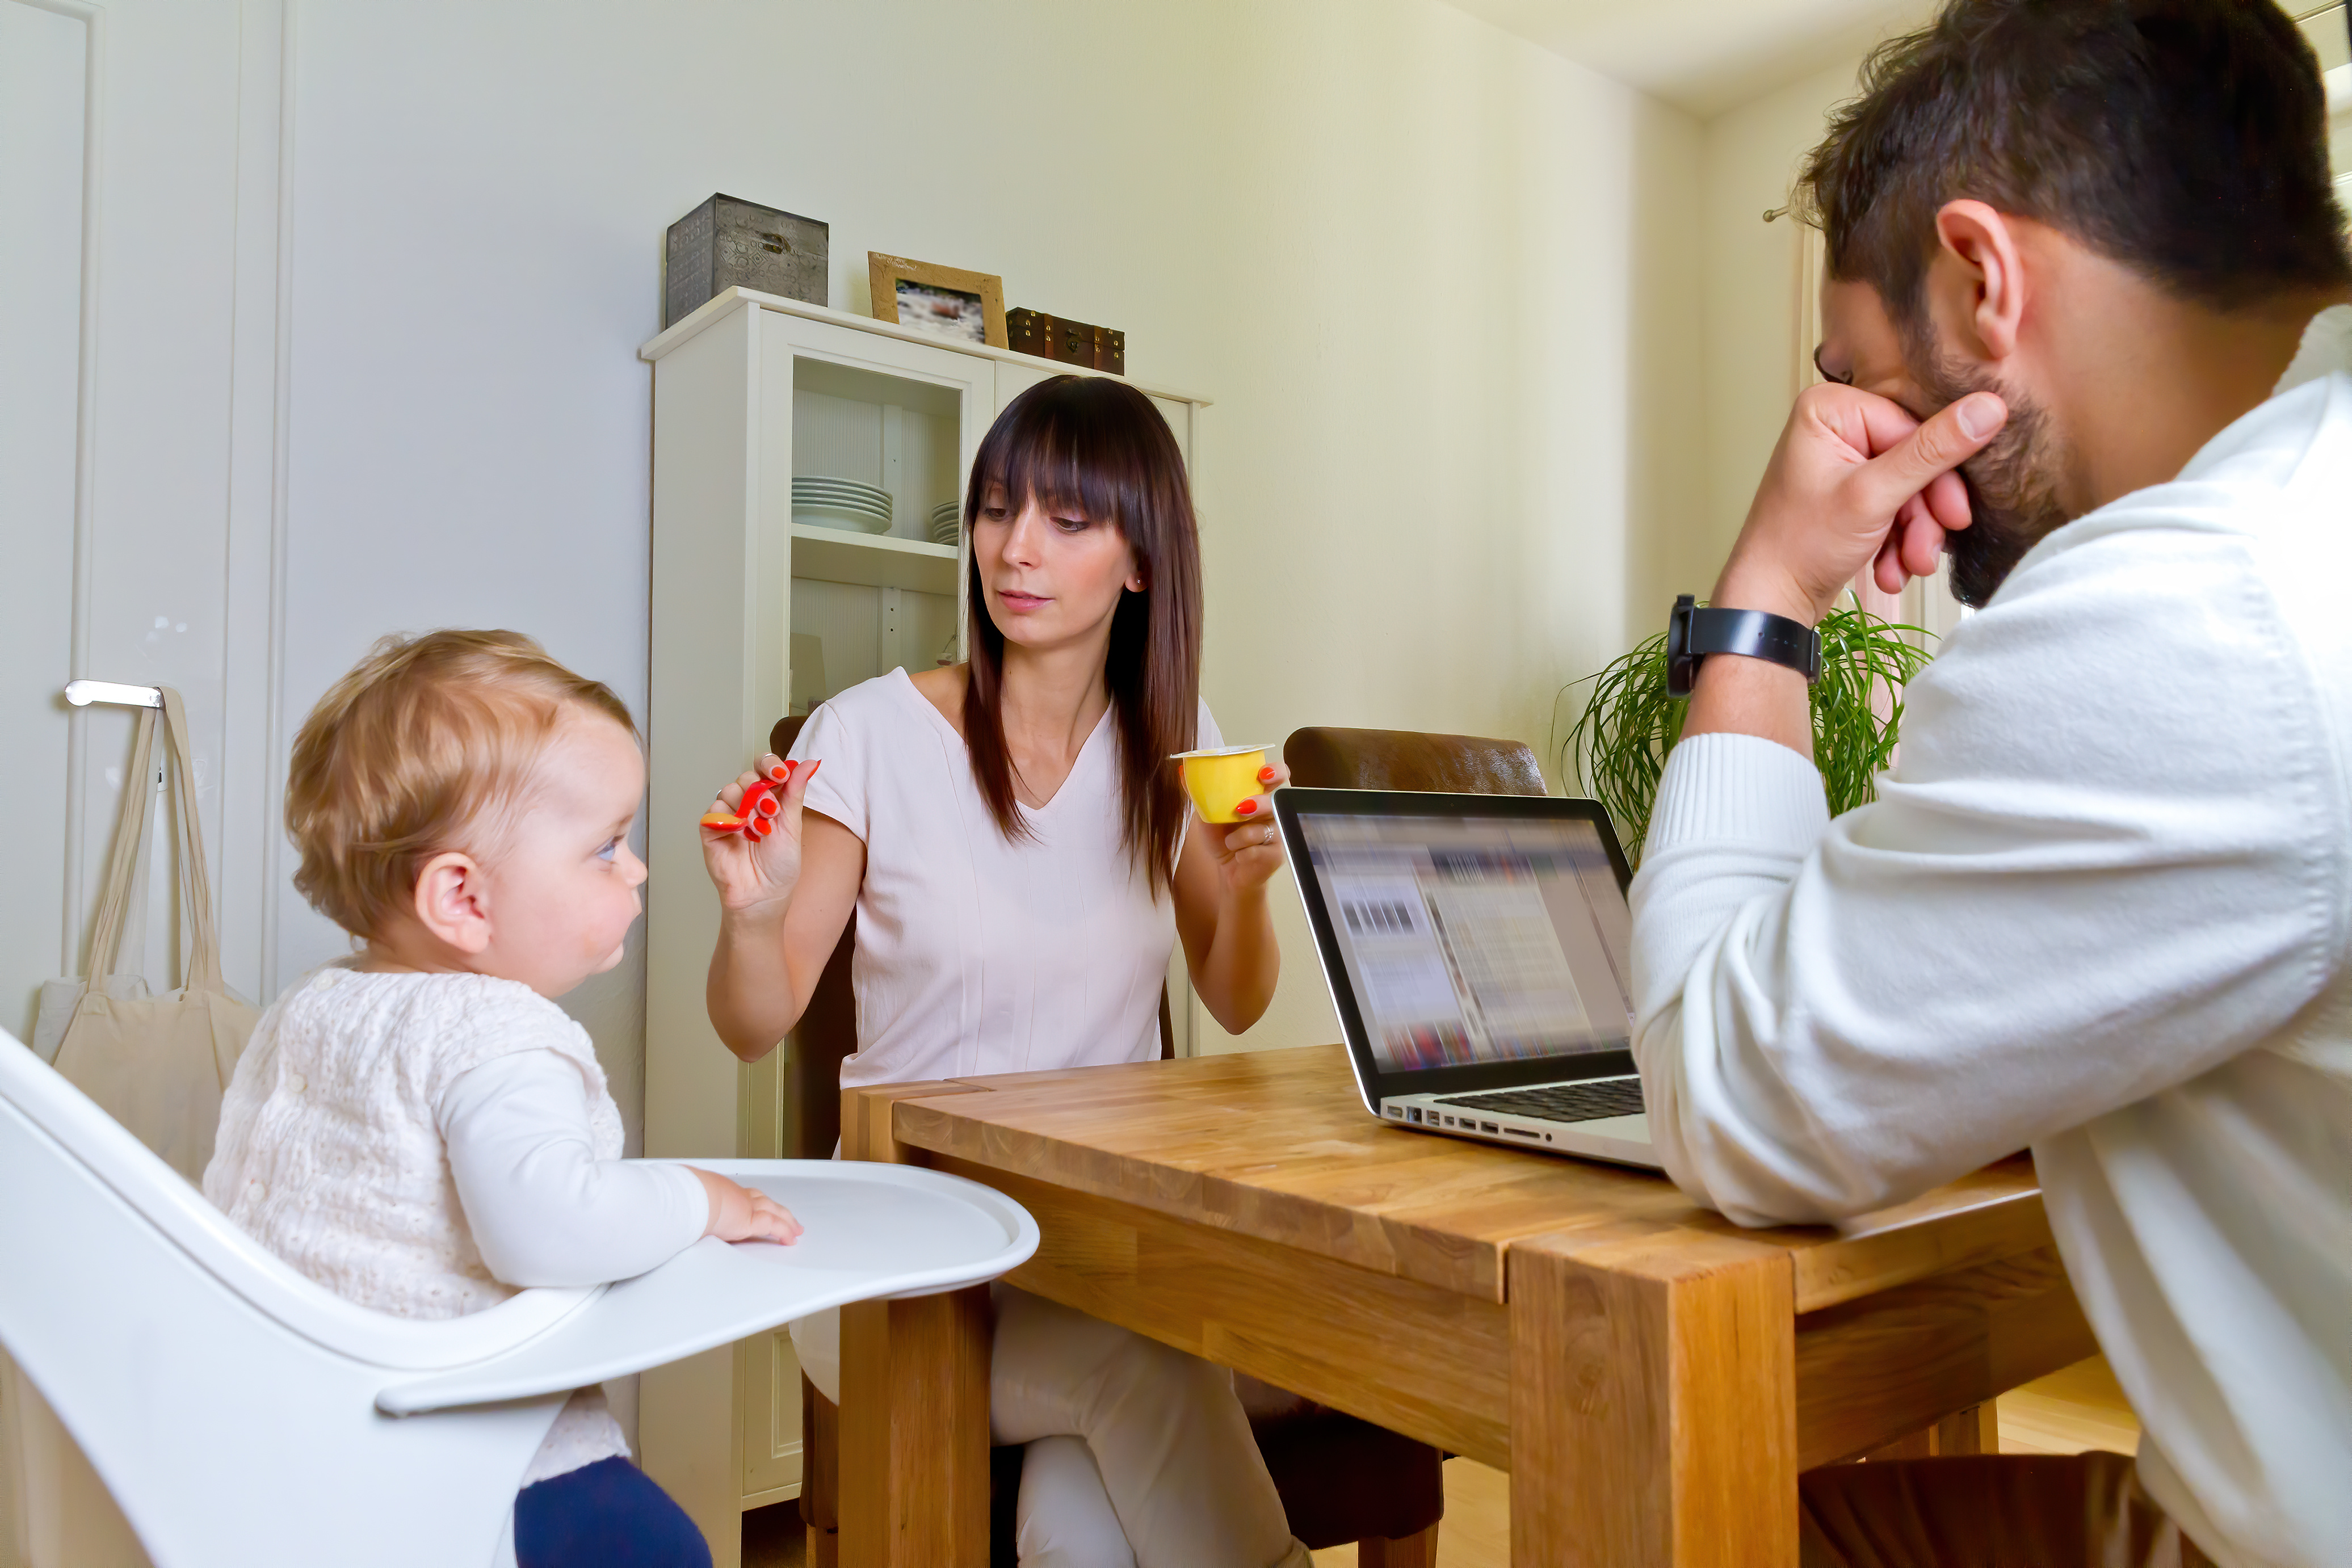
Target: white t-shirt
[976,954]
[2104,908]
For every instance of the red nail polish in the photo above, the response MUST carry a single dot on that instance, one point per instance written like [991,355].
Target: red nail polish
[1247,808]
[1265,774]
[780,772]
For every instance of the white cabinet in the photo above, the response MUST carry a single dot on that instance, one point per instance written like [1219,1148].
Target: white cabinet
[754,616]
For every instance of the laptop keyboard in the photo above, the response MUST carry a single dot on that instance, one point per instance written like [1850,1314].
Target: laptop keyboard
[1560,1102]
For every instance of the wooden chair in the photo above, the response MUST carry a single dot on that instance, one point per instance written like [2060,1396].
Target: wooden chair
[1405,760]
[1341,1479]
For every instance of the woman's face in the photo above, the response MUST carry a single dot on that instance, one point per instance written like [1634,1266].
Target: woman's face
[1051,578]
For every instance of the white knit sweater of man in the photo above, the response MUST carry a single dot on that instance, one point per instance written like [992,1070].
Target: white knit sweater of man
[2100,909]
[427,1144]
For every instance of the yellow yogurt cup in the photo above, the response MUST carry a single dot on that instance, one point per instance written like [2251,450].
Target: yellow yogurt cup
[1221,779]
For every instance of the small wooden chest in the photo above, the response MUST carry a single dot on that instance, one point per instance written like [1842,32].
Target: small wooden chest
[1071,342]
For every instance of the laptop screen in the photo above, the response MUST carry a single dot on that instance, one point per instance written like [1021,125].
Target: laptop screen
[1470,940]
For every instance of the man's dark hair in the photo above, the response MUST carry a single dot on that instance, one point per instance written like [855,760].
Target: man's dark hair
[2185,139]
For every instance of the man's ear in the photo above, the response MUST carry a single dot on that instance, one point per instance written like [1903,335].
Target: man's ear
[1975,286]
[452,900]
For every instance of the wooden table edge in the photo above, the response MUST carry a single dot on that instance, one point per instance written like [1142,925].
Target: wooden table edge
[1824,1272]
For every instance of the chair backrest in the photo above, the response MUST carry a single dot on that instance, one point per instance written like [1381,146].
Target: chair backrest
[1406,759]
[227,1401]
[828,1032]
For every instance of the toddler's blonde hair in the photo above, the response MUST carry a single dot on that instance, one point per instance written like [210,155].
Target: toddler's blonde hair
[423,747]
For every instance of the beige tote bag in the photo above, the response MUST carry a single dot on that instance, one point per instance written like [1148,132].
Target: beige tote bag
[158,1064]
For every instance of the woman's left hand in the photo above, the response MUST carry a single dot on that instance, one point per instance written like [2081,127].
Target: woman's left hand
[1250,851]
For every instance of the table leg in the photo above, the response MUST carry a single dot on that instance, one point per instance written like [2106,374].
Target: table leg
[1653,1412]
[914,1432]
[913,1457]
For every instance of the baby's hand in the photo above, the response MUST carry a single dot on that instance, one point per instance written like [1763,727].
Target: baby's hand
[739,1214]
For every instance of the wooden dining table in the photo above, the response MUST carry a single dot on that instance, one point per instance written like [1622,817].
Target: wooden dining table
[1652,1376]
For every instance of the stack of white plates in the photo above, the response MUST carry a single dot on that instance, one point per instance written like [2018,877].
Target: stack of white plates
[841,504]
[947,522]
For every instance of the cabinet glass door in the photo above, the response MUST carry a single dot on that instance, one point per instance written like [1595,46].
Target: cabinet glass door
[880,436]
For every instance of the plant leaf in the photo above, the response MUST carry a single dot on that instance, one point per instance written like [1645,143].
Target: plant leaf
[1617,747]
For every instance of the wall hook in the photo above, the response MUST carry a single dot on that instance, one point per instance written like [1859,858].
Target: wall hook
[82,693]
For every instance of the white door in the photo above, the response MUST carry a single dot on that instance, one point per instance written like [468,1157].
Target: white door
[139,307]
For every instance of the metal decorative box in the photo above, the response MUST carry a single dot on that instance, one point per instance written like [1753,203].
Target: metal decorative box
[728,243]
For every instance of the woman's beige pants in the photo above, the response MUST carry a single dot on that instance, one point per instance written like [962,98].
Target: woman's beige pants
[1138,1455]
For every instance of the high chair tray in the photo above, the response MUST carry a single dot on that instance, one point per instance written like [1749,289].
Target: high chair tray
[871,1231]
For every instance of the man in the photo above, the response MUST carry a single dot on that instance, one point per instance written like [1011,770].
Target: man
[2103,907]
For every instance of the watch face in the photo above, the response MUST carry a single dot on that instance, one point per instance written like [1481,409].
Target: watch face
[1680,666]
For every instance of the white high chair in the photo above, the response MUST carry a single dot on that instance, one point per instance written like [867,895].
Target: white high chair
[242,1414]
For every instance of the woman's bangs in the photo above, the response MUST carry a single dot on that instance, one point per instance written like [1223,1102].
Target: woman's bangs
[1040,462]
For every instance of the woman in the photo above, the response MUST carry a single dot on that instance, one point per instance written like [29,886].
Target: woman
[1016,847]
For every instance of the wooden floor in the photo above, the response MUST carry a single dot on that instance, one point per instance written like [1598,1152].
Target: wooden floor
[2071,1410]
[2064,1413]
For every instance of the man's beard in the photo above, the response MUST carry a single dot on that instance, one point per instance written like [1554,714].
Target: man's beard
[2012,483]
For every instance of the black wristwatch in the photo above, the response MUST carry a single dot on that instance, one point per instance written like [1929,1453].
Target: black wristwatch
[1693,633]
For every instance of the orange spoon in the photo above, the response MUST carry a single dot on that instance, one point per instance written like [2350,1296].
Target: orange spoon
[756,817]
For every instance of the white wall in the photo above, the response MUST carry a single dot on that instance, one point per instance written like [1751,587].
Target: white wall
[1753,158]
[1437,280]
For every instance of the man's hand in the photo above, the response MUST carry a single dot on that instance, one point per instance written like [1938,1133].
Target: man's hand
[739,1214]
[1854,479]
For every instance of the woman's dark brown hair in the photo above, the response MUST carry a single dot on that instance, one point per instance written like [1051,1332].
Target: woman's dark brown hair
[1097,449]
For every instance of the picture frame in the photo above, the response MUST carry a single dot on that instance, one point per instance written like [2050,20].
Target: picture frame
[945,300]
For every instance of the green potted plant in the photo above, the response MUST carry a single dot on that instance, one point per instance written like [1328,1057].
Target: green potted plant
[1618,746]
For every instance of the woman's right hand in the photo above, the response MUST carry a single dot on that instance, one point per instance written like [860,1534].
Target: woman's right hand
[755,875]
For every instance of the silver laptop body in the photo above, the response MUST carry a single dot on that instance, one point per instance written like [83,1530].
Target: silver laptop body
[1475,948]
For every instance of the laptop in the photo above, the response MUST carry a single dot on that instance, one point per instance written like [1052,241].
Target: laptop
[1475,948]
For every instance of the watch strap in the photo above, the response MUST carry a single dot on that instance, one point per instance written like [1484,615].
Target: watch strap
[1695,633]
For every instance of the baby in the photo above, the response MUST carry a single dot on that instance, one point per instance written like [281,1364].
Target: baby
[420,1128]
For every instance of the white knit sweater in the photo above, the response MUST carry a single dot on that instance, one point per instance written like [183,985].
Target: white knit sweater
[2102,909]
[372,1114]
